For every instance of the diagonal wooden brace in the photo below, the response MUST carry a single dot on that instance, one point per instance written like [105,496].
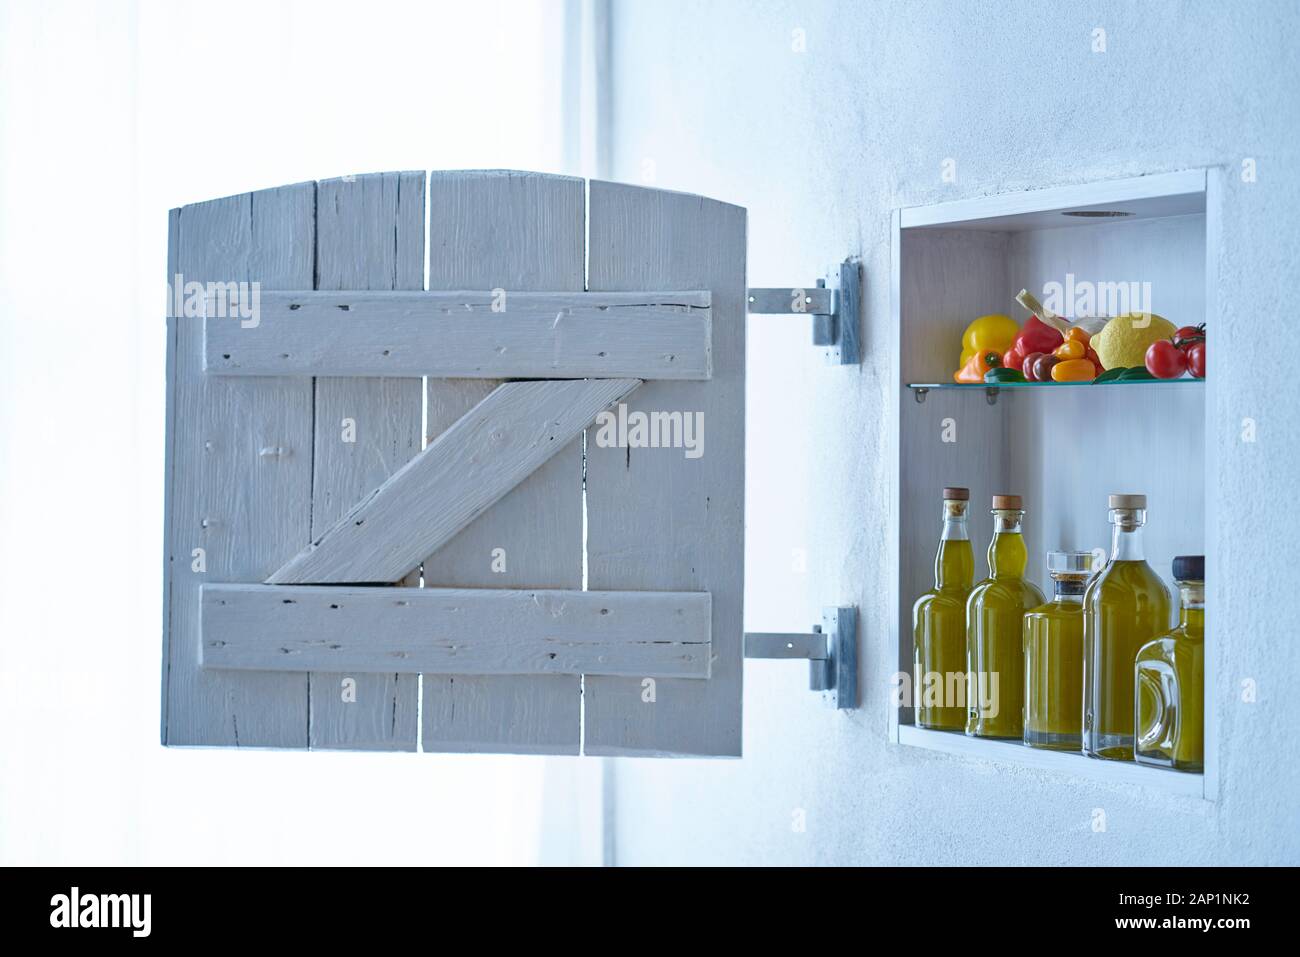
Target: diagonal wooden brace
[494,447]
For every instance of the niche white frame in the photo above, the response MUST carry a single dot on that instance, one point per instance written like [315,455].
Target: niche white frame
[1158,199]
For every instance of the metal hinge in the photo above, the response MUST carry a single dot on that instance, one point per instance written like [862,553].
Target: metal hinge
[831,651]
[834,311]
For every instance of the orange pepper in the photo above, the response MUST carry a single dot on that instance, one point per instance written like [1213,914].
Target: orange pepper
[1074,370]
[975,367]
[1071,349]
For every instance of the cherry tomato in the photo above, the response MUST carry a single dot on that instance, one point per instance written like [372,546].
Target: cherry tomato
[1078,334]
[1094,359]
[1027,367]
[1188,336]
[1074,370]
[1070,349]
[1165,360]
[1196,359]
[1043,367]
[1012,359]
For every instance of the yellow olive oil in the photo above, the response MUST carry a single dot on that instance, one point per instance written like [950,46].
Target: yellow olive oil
[1053,635]
[939,624]
[1170,680]
[995,657]
[1124,607]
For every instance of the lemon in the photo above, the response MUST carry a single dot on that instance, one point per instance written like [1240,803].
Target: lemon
[1123,342]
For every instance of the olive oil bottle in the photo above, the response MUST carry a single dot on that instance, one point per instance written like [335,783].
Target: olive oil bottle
[1054,658]
[1170,677]
[1124,607]
[995,656]
[939,623]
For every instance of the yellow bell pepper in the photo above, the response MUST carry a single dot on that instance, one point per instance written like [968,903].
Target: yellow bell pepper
[995,333]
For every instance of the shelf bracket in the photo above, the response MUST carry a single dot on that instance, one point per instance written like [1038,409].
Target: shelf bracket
[831,651]
[919,392]
[834,310]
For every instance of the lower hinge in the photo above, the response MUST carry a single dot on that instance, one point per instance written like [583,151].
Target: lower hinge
[834,311]
[831,650]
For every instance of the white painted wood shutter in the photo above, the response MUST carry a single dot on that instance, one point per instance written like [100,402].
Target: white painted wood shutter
[388,592]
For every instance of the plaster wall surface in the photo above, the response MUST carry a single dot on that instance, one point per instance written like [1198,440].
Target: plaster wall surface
[715,98]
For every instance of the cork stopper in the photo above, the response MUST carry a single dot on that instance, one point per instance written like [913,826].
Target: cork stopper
[1128,501]
[1008,502]
[956,494]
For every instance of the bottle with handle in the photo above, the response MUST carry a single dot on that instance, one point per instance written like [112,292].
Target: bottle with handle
[1169,681]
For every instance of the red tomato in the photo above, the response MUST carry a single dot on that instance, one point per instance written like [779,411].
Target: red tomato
[1188,336]
[1165,360]
[1196,359]
[1027,367]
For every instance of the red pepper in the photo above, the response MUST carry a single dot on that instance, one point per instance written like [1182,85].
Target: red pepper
[1037,336]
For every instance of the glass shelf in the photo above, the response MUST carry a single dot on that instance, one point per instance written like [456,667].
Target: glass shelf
[927,386]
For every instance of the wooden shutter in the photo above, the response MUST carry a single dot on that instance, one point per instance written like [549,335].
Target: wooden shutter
[504,647]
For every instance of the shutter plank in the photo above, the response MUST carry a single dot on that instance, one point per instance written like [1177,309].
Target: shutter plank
[656,519]
[240,481]
[519,232]
[169,467]
[370,235]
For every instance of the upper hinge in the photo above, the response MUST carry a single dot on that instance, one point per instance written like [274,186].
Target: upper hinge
[834,310]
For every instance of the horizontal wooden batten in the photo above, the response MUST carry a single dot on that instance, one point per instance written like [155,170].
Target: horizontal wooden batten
[476,335]
[361,629]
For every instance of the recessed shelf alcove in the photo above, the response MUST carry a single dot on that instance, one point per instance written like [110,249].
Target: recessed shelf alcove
[1063,448]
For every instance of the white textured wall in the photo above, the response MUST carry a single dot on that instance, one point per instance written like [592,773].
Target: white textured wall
[820,147]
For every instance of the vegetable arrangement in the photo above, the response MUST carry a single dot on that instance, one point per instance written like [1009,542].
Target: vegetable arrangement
[1049,348]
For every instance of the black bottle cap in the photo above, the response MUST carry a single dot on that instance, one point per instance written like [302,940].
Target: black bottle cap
[1189,568]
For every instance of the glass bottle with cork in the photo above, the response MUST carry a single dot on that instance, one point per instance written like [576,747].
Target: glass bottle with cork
[1170,680]
[1124,607]
[1053,634]
[939,623]
[995,657]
